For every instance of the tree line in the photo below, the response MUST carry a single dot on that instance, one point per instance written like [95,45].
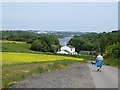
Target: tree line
[39,42]
[105,42]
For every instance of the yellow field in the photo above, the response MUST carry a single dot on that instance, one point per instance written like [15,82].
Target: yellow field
[6,41]
[16,58]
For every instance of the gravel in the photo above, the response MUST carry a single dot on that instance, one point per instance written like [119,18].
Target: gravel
[74,76]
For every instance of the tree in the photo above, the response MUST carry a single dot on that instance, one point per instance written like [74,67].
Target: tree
[81,44]
[113,50]
[90,41]
[39,46]
[54,48]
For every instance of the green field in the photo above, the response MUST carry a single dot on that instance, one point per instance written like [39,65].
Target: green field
[14,46]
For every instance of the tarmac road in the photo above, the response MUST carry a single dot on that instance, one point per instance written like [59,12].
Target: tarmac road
[107,78]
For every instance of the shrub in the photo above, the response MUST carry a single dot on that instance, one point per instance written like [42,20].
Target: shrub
[113,50]
[30,41]
[39,46]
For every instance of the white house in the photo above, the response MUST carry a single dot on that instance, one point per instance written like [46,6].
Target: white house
[67,50]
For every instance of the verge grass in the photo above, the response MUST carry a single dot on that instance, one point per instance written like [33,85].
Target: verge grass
[12,74]
[115,62]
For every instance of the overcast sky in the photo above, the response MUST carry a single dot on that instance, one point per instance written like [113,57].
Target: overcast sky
[56,16]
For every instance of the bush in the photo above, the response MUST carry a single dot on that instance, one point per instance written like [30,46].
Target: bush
[30,41]
[45,43]
[54,48]
[39,46]
[112,62]
[113,50]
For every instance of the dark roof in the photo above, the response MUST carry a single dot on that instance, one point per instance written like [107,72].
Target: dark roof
[70,46]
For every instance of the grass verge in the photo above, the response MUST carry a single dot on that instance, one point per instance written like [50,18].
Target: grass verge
[14,73]
[115,62]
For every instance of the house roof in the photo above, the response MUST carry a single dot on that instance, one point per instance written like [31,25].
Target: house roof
[70,46]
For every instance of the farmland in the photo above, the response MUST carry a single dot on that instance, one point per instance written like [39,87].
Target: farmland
[17,66]
[19,62]
[20,58]
[14,46]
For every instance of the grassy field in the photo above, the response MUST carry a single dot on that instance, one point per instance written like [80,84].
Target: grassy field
[17,66]
[14,46]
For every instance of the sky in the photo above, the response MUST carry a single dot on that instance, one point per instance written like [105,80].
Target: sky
[60,16]
[60,0]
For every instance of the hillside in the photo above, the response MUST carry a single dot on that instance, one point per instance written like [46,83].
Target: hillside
[15,46]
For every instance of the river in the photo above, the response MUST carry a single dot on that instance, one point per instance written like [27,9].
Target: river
[63,41]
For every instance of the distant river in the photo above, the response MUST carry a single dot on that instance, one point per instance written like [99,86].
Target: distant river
[63,41]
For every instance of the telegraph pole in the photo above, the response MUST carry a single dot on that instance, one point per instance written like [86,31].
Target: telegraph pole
[99,47]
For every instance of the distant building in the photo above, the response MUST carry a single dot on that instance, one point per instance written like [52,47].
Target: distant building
[41,32]
[67,50]
[85,52]
[88,52]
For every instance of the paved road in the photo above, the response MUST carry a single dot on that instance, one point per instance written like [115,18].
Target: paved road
[107,78]
[74,76]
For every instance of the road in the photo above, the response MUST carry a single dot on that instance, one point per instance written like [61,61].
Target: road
[107,78]
[74,76]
